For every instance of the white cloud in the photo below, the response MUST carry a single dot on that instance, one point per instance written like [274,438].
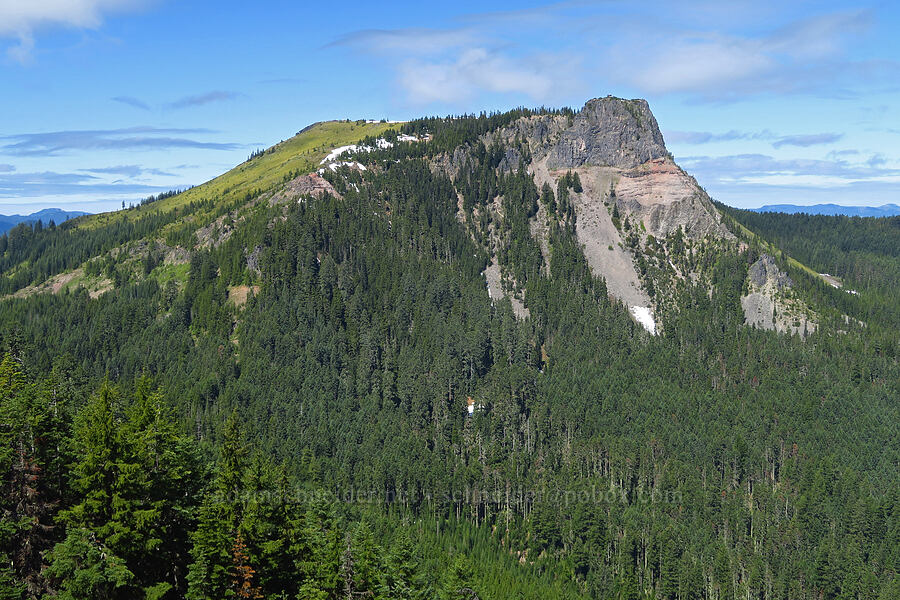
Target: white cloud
[811,181]
[53,143]
[413,40]
[694,64]
[806,56]
[707,137]
[473,70]
[19,19]
[805,141]
[453,65]
[689,48]
[206,98]
[761,169]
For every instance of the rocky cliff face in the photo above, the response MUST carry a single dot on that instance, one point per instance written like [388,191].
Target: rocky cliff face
[770,303]
[606,132]
[765,272]
[632,189]
[664,198]
[640,218]
[303,185]
[609,132]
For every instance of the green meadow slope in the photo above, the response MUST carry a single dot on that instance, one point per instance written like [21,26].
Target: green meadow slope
[299,154]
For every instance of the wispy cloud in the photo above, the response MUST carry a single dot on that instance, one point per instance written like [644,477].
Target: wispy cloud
[50,183]
[877,161]
[474,70]
[147,138]
[804,141]
[805,56]
[201,99]
[835,154]
[707,137]
[762,169]
[412,40]
[20,19]
[131,171]
[456,64]
[4,168]
[132,101]
[695,51]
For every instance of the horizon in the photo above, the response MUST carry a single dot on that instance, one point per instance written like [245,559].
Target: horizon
[765,104]
[754,208]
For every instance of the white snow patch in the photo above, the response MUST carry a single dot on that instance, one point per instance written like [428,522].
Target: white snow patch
[334,154]
[331,161]
[643,316]
[333,167]
[352,164]
[379,143]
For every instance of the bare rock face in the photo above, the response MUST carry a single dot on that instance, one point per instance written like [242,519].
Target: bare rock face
[769,303]
[219,231]
[304,185]
[619,141]
[765,270]
[609,132]
[495,290]
[602,243]
[664,198]
[253,260]
[616,148]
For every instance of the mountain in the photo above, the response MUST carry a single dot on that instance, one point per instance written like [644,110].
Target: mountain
[517,354]
[46,215]
[886,210]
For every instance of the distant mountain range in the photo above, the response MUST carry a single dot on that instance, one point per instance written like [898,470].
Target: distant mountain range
[56,215]
[887,210]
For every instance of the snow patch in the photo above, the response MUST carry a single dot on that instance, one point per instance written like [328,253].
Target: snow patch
[334,154]
[644,316]
[333,167]
[380,143]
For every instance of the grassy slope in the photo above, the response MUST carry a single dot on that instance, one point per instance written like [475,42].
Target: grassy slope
[300,153]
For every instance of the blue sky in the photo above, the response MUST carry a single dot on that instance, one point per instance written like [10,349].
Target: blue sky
[764,102]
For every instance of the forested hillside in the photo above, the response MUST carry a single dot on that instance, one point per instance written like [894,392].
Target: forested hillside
[262,388]
[863,252]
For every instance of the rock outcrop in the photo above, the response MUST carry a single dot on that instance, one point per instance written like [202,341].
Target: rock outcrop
[617,150]
[664,198]
[769,303]
[609,132]
[765,272]
[631,190]
[304,185]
